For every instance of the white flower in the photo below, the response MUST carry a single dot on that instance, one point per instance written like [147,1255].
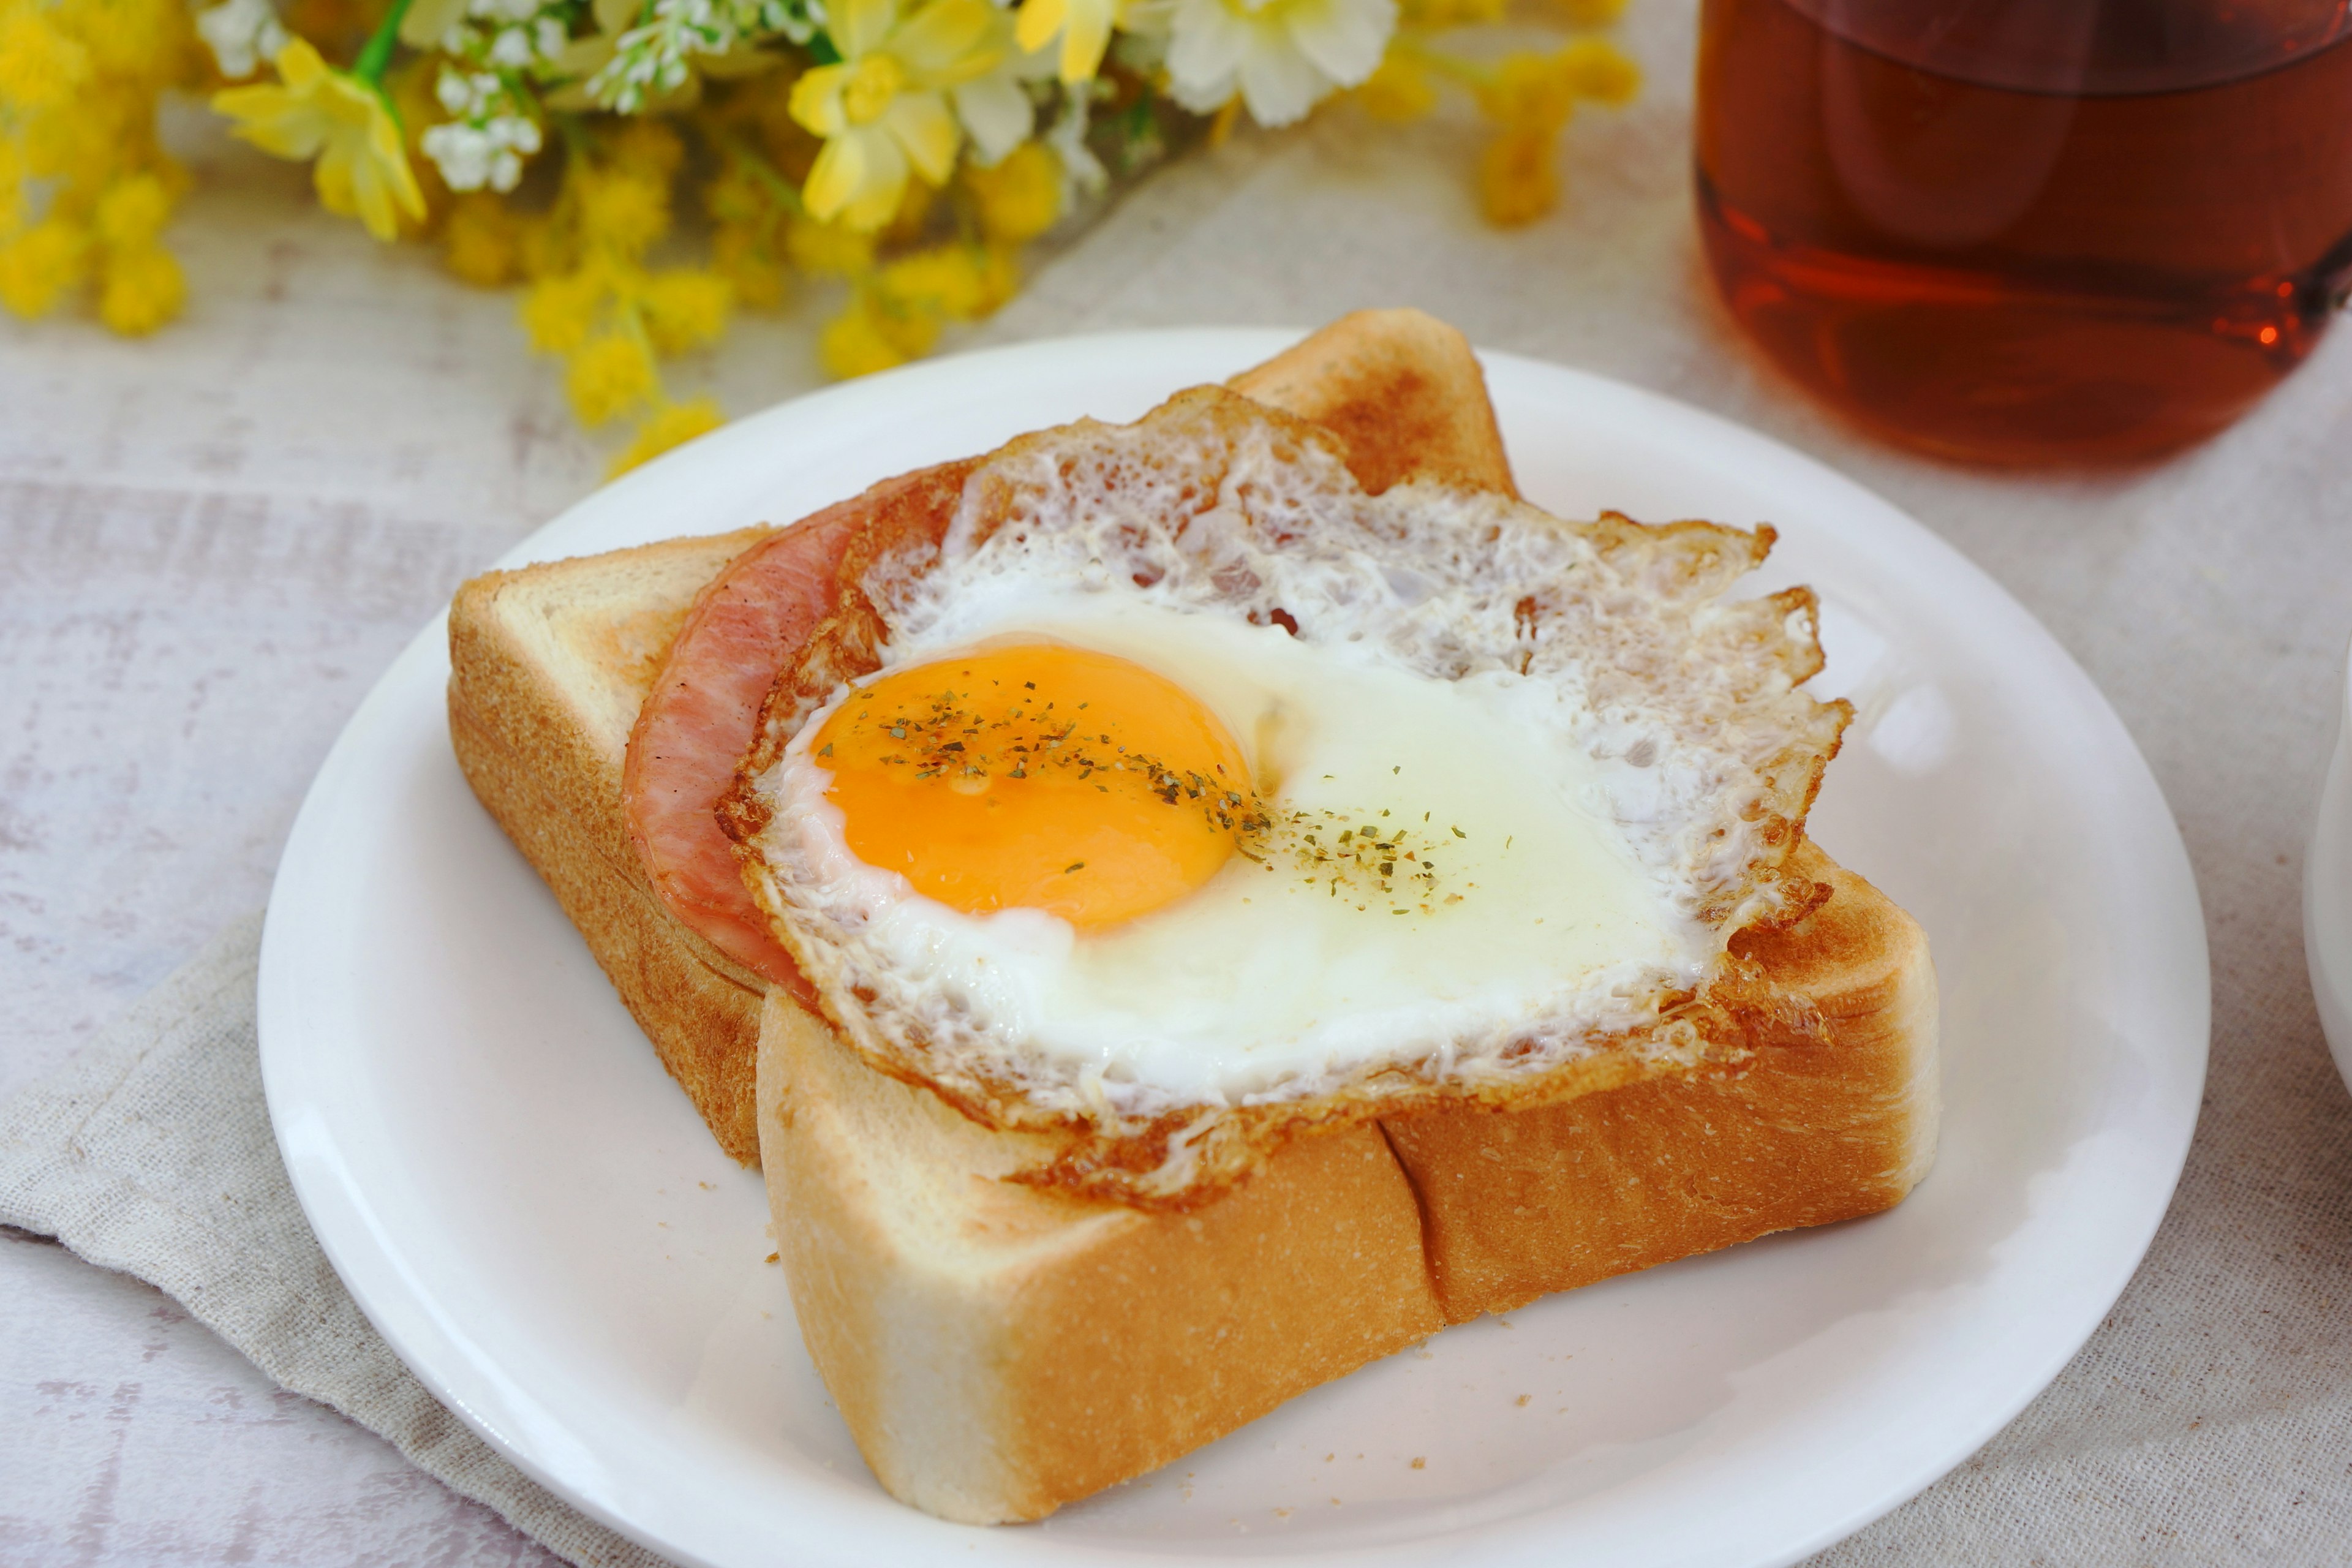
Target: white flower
[493,155]
[1282,56]
[465,97]
[511,48]
[646,51]
[1068,138]
[996,108]
[242,33]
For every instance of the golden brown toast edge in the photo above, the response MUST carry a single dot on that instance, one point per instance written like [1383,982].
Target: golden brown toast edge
[998,1352]
[548,768]
[1816,1127]
[1061,1377]
[1403,392]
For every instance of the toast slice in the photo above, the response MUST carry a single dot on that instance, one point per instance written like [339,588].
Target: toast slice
[997,1350]
[550,663]
[548,668]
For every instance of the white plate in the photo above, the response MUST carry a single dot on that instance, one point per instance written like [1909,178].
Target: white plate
[537,1221]
[2328,894]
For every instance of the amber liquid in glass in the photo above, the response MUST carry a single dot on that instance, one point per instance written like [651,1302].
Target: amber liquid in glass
[2029,231]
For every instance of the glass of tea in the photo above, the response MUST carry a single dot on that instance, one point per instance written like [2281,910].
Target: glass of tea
[2029,231]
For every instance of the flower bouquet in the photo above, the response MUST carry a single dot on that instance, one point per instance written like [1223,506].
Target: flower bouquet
[914,150]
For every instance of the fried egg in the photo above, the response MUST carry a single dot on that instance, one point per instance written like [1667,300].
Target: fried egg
[1192,780]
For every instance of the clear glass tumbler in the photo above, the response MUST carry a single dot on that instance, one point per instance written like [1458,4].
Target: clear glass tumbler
[2029,231]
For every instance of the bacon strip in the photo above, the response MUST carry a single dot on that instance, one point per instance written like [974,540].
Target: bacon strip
[751,621]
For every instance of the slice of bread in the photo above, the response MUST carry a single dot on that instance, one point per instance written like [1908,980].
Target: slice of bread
[548,668]
[1403,392]
[998,1351]
[550,663]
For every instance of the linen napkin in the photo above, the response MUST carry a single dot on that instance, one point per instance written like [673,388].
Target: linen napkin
[150,1152]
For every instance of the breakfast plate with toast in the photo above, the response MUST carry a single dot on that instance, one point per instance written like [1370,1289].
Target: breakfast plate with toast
[1229,944]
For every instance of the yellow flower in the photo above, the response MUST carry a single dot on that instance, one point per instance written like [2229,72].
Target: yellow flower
[1084,25]
[40,66]
[1588,12]
[882,110]
[858,343]
[132,211]
[560,310]
[544,246]
[482,241]
[1434,14]
[912,220]
[1598,69]
[744,254]
[39,265]
[956,282]
[622,210]
[609,376]
[1529,92]
[1532,91]
[1019,198]
[647,147]
[318,112]
[142,289]
[1399,91]
[675,426]
[147,40]
[828,249]
[684,309]
[998,279]
[897,315]
[1518,182]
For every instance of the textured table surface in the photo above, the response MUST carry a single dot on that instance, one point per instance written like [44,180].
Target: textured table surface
[211,542]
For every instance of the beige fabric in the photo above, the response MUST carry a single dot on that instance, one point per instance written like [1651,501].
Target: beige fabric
[150,1152]
[2210,1422]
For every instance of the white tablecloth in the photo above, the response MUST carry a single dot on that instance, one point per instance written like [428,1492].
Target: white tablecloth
[211,544]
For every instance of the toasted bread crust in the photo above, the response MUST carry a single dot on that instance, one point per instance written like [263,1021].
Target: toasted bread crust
[999,1351]
[548,669]
[1820,1123]
[1403,392]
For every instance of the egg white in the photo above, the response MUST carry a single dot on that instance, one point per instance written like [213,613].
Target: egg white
[1610,740]
[1278,971]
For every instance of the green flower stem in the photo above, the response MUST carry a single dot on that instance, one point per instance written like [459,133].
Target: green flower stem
[375,55]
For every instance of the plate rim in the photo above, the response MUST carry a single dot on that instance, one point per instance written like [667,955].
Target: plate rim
[343,1235]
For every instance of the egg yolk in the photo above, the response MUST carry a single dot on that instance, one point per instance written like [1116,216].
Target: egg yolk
[1037,776]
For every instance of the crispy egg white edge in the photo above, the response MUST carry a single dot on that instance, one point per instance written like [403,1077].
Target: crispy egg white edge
[1061,539]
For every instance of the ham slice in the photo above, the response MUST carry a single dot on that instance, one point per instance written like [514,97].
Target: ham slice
[750,622]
